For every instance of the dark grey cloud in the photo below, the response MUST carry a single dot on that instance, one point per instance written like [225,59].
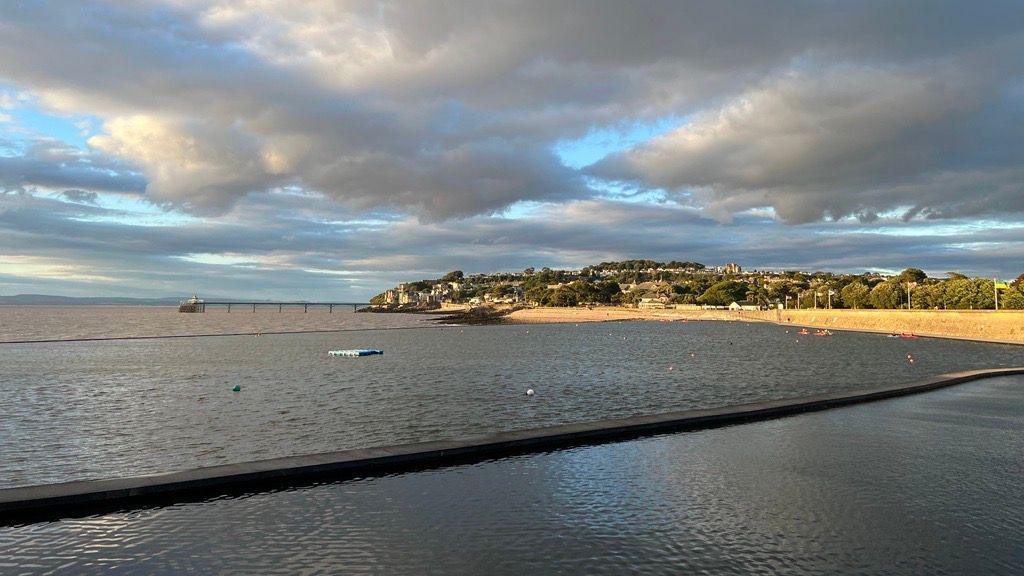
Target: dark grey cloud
[80,196]
[47,163]
[451,109]
[943,141]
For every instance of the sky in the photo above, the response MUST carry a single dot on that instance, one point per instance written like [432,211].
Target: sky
[330,149]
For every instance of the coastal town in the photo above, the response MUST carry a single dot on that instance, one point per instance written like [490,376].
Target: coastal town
[647,284]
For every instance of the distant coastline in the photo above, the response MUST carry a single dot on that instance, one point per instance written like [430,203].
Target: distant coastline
[49,300]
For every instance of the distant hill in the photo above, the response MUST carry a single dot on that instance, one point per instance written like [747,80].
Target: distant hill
[48,300]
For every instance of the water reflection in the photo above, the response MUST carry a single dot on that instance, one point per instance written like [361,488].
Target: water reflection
[926,484]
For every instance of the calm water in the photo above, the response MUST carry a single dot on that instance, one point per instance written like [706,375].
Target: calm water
[68,322]
[80,410]
[928,484]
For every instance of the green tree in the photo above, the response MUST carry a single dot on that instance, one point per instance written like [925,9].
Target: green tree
[724,293]
[500,290]
[958,293]
[855,295]
[984,294]
[886,295]
[563,297]
[926,296]
[607,291]
[912,275]
[537,293]
[1012,298]
[631,298]
[453,276]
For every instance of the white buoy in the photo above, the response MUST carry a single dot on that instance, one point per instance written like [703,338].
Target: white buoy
[529,391]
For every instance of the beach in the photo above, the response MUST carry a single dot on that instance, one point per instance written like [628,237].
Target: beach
[1004,326]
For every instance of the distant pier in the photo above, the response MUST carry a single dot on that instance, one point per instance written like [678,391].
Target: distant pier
[196,305]
[281,305]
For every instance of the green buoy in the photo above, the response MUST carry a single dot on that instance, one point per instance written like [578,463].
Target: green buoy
[237,388]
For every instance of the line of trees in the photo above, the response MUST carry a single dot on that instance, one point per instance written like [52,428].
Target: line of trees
[911,288]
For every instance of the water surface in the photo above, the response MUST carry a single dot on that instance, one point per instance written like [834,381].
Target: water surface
[79,410]
[926,484]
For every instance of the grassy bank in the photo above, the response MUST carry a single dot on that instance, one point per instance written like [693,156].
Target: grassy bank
[985,325]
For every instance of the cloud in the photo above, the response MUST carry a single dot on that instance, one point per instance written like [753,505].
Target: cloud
[264,248]
[846,141]
[80,196]
[301,137]
[47,163]
[448,111]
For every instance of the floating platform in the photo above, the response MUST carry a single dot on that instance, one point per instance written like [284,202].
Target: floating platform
[355,353]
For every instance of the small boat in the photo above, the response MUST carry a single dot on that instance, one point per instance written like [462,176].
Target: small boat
[823,333]
[804,331]
[908,335]
[355,353]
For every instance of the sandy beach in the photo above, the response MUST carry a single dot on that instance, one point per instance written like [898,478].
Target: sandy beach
[981,325]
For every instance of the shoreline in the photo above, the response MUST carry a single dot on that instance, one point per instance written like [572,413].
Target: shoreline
[990,326]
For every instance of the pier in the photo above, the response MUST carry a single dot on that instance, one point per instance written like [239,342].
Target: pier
[201,306]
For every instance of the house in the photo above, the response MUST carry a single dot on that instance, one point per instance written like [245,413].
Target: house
[652,303]
[744,305]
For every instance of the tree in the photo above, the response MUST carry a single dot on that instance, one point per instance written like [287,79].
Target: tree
[500,290]
[855,294]
[1013,298]
[536,293]
[607,290]
[631,298]
[563,297]
[453,276]
[967,294]
[724,293]
[984,297]
[912,275]
[886,295]
[926,296]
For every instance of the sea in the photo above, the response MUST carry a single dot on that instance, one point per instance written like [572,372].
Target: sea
[925,484]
